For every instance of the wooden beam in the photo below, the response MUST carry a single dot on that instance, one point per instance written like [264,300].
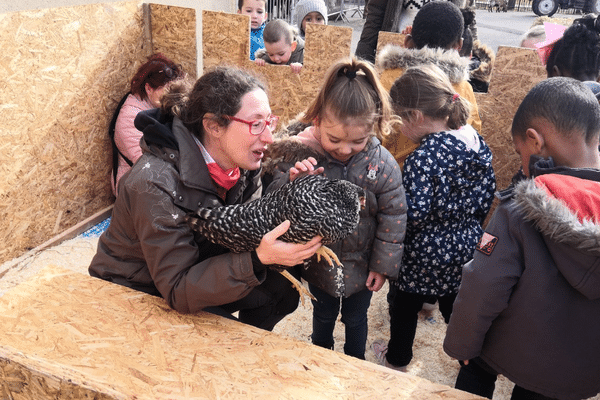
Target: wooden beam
[70,233]
[69,335]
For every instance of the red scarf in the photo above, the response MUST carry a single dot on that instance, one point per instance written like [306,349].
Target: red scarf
[225,178]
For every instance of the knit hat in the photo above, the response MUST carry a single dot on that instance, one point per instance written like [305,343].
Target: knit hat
[304,7]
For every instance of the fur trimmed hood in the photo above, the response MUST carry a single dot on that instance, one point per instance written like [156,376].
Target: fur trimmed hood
[449,61]
[486,57]
[566,209]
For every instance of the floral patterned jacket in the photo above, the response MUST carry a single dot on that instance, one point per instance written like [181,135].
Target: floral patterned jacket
[449,191]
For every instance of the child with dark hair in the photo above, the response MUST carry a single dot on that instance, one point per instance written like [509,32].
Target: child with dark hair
[348,118]
[577,53]
[439,25]
[282,46]
[449,183]
[256,10]
[529,301]
[436,38]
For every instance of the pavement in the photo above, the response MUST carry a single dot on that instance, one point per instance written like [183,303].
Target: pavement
[493,29]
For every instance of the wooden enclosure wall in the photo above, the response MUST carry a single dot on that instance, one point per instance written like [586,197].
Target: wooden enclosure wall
[516,71]
[62,74]
[139,348]
[174,34]
[289,93]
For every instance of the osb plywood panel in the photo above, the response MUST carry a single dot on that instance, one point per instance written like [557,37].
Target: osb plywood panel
[289,93]
[386,38]
[174,34]
[62,70]
[62,74]
[68,332]
[516,71]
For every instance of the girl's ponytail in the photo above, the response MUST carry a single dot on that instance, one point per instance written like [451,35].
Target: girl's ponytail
[459,110]
[428,90]
[353,93]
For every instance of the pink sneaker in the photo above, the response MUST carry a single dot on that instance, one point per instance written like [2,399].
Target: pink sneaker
[380,349]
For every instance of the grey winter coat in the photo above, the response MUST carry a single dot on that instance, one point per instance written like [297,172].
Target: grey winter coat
[377,244]
[529,303]
[150,247]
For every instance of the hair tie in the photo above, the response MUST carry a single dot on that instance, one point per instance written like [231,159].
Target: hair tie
[455,97]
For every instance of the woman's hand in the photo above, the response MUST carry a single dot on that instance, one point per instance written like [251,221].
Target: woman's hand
[375,281]
[305,167]
[274,251]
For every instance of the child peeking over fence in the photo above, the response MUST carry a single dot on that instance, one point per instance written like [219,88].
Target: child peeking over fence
[283,46]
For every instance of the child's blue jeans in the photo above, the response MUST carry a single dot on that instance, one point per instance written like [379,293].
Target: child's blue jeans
[354,316]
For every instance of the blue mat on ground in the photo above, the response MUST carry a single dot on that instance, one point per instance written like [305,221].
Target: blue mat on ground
[96,230]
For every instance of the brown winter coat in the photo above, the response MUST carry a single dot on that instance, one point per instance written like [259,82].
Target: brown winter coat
[529,302]
[481,75]
[149,246]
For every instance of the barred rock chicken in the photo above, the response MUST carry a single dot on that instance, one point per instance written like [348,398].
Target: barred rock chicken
[313,204]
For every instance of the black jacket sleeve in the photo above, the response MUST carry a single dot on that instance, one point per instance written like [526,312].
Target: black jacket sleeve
[367,44]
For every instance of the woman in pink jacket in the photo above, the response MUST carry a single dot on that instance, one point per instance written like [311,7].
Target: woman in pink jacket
[147,86]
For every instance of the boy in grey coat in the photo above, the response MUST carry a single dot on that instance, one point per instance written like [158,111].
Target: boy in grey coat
[529,303]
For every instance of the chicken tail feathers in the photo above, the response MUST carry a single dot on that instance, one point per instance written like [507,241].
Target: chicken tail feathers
[198,219]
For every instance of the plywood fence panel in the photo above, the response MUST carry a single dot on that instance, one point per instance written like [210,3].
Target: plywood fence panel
[61,69]
[386,38]
[72,336]
[62,74]
[174,34]
[515,72]
[226,40]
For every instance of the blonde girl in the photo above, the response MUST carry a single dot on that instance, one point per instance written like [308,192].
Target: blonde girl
[450,185]
[348,119]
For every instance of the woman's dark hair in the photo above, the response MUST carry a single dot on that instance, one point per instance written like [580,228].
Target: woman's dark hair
[157,72]
[219,92]
[577,53]
[438,24]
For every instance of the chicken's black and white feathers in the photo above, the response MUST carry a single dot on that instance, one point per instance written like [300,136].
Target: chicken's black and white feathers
[313,204]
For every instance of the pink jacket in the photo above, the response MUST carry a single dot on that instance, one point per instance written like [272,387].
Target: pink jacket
[127,137]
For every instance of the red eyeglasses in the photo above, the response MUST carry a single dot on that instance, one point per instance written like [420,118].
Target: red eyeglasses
[257,126]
